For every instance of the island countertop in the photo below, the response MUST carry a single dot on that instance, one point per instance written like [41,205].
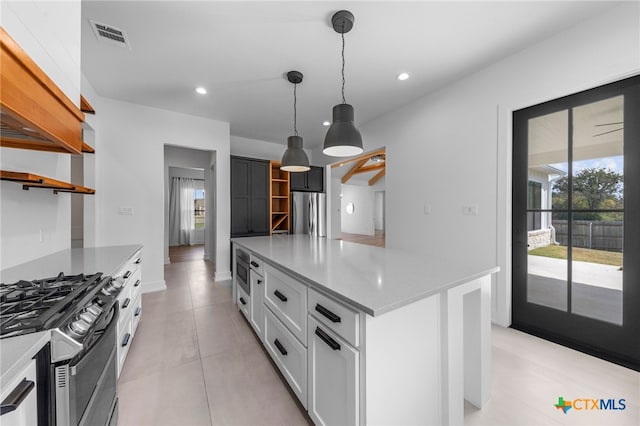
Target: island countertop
[373,279]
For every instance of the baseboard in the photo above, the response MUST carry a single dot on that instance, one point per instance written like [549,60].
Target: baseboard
[222,276]
[149,287]
[167,261]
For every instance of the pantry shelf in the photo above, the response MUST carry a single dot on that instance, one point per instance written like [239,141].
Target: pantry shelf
[30,180]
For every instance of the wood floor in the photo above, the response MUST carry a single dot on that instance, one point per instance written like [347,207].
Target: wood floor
[186,253]
[375,240]
[195,360]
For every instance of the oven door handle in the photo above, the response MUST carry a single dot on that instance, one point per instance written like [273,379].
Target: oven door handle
[15,398]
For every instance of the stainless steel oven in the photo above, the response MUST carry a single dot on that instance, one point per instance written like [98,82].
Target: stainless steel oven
[242,270]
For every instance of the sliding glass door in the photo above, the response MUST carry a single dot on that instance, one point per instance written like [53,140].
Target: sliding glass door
[576,221]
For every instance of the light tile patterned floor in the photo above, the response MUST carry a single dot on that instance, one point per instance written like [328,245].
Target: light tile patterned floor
[195,361]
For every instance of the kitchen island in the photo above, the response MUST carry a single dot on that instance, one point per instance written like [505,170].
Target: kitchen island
[369,335]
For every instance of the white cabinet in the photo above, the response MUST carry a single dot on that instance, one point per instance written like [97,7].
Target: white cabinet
[256,283]
[287,299]
[333,373]
[288,353]
[244,303]
[129,304]
[336,316]
[20,396]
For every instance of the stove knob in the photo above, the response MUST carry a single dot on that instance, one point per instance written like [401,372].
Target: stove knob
[87,317]
[117,282]
[79,327]
[94,309]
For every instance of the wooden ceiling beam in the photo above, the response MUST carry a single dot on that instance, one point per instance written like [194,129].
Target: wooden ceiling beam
[368,155]
[370,168]
[377,177]
[354,169]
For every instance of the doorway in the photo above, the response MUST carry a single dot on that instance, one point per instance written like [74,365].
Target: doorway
[576,210]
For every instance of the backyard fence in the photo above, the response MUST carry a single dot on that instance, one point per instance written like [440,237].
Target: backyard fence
[591,234]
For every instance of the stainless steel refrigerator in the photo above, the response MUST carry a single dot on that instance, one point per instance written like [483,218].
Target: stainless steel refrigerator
[309,213]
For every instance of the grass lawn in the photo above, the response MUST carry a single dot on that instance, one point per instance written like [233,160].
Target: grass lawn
[581,254]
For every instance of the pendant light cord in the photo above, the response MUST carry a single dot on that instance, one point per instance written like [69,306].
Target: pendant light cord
[295,118]
[343,81]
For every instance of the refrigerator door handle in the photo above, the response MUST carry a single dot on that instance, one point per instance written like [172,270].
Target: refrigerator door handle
[310,216]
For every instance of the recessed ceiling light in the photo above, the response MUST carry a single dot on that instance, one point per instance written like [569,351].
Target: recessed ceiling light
[201,90]
[326,123]
[403,76]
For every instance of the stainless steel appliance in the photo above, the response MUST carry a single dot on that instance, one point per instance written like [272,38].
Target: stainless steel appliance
[242,270]
[76,371]
[308,213]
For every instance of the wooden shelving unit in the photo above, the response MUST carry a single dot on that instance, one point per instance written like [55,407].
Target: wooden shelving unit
[30,180]
[279,199]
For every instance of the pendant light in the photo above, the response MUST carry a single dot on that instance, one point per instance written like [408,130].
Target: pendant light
[342,138]
[294,158]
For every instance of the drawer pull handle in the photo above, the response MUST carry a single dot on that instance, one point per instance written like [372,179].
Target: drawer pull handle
[125,341]
[15,398]
[254,264]
[126,275]
[137,283]
[280,296]
[281,348]
[327,313]
[138,261]
[138,310]
[327,339]
[126,303]
[244,302]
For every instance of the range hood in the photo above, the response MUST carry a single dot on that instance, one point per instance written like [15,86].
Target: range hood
[34,112]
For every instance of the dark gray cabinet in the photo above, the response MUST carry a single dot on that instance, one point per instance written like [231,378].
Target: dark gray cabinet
[249,197]
[310,181]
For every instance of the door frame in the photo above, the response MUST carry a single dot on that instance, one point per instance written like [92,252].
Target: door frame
[585,334]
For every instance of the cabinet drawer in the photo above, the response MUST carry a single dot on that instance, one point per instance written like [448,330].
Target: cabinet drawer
[340,319]
[256,264]
[125,305]
[287,352]
[244,303]
[256,283]
[125,337]
[136,313]
[287,298]
[334,386]
[22,393]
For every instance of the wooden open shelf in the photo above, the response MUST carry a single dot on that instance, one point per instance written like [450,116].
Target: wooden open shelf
[279,199]
[30,180]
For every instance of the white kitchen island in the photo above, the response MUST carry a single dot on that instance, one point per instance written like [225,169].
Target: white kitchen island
[368,335]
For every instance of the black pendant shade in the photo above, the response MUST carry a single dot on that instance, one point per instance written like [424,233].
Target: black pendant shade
[342,139]
[294,158]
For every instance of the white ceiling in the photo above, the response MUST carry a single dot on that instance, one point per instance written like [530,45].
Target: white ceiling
[240,51]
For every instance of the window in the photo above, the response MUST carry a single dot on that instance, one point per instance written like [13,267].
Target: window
[534,202]
[198,208]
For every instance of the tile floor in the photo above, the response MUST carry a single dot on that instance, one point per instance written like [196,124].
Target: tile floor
[195,361]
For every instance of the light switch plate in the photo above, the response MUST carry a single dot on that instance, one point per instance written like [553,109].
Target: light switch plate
[470,209]
[126,211]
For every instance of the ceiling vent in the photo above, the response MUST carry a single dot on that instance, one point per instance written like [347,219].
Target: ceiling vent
[108,34]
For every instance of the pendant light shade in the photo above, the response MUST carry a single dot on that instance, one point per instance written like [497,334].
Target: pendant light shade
[294,158]
[342,138]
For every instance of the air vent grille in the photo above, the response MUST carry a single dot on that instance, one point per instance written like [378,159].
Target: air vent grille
[110,34]
[61,376]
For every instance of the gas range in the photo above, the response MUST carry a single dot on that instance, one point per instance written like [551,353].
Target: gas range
[75,308]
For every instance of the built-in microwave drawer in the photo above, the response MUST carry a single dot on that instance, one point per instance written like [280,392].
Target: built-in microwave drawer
[287,352]
[256,264]
[287,298]
[342,320]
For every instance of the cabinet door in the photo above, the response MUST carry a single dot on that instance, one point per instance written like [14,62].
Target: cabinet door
[333,374]
[240,196]
[298,181]
[24,383]
[315,179]
[257,307]
[259,189]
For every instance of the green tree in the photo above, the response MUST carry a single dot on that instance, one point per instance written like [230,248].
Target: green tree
[593,189]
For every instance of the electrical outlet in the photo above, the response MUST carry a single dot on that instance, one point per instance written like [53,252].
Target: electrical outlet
[470,209]
[41,236]
[126,211]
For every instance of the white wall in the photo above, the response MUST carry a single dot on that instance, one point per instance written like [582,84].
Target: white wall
[378,212]
[361,220]
[453,146]
[35,223]
[130,172]
[253,148]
